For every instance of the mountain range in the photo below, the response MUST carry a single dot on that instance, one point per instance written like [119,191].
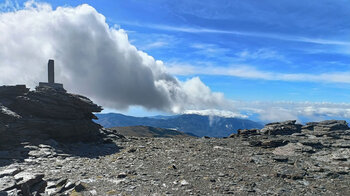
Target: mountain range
[198,125]
[147,131]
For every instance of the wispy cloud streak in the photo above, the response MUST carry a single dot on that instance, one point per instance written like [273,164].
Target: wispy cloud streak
[248,72]
[283,37]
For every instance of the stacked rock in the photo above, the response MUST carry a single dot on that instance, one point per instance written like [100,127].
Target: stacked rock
[46,113]
[330,128]
[327,125]
[277,128]
[281,128]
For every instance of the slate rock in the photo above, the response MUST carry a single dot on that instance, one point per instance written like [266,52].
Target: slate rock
[281,128]
[17,90]
[38,188]
[28,179]
[289,171]
[46,113]
[268,143]
[289,149]
[79,187]
[6,115]
[9,172]
[7,183]
[248,131]
[327,125]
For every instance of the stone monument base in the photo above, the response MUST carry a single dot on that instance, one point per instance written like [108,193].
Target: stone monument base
[56,86]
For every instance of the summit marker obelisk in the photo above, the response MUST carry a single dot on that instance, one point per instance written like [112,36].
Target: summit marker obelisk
[51,78]
[51,71]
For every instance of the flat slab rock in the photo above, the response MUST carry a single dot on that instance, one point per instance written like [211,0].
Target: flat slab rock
[9,172]
[7,183]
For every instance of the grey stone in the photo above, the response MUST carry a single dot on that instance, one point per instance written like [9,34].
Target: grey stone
[122,175]
[61,182]
[248,131]
[7,183]
[289,149]
[9,172]
[38,188]
[281,128]
[28,179]
[13,91]
[79,187]
[268,143]
[327,125]
[69,185]
[288,171]
[46,113]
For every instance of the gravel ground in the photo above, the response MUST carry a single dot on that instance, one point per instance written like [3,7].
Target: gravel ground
[254,165]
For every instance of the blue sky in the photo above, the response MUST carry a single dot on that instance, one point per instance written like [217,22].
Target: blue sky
[287,37]
[292,51]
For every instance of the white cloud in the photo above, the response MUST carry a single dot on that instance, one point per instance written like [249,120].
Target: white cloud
[149,41]
[211,50]
[214,112]
[280,110]
[249,72]
[157,44]
[283,110]
[262,53]
[92,59]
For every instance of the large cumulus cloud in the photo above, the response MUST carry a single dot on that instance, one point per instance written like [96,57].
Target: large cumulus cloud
[92,58]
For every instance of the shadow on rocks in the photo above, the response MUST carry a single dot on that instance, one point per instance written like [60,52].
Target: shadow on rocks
[26,151]
[49,122]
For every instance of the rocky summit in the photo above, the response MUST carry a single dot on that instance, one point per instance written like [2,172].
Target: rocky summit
[46,113]
[58,150]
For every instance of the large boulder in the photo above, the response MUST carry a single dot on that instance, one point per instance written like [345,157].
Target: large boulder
[46,112]
[281,128]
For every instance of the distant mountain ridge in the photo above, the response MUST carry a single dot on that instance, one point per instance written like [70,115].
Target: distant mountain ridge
[213,126]
[147,131]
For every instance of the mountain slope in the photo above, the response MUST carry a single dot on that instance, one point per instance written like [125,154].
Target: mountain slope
[147,131]
[213,126]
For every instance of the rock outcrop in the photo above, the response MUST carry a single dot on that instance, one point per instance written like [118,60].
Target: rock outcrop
[16,181]
[330,128]
[281,128]
[46,113]
[327,125]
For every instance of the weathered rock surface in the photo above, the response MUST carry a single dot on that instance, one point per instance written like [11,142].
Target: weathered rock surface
[327,125]
[281,128]
[46,113]
[296,164]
